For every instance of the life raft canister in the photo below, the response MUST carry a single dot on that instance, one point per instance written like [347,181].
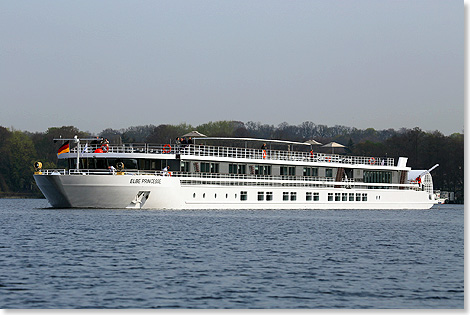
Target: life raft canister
[166,148]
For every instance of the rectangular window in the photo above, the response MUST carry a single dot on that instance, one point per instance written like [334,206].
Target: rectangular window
[209,167]
[344,197]
[311,171]
[308,196]
[351,196]
[330,196]
[184,166]
[307,171]
[293,196]
[205,167]
[358,197]
[263,169]
[377,177]
[260,195]
[337,197]
[329,172]
[364,197]
[292,171]
[243,195]
[285,196]
[269,196]
[316,196]
[315,172]
[283,170]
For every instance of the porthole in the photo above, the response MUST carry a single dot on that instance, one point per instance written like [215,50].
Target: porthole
[226,195]
[194,195]
[215,195]
[204,195]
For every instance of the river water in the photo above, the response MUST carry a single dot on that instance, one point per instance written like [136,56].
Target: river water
[61,258]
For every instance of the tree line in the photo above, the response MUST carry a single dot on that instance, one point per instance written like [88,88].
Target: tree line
[20,149]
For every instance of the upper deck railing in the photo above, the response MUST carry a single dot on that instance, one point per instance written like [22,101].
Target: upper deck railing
[239,153]
[239,179]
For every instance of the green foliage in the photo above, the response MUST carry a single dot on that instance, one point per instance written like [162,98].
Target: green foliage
[20,153]
[5,135]
[168,133]
[137,134]
[222,128]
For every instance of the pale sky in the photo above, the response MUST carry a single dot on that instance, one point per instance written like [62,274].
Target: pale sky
[115,64]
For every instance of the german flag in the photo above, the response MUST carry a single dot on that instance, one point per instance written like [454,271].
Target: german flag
[65,148]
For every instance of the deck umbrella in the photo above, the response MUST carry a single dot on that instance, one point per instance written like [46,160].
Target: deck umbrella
[312,143]
[333,145]
[194,133]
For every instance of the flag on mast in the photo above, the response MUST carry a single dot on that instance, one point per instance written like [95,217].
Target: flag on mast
[65,148]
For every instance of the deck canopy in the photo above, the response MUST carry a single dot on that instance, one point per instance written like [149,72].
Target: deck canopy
[253,140]
[312,142]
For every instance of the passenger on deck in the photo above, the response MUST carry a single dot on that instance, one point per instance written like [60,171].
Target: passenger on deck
[178,144]
[165,170]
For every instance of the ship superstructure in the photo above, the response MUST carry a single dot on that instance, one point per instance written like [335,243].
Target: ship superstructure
[202,176]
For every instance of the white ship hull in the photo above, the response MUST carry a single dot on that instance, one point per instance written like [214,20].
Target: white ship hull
[167,192]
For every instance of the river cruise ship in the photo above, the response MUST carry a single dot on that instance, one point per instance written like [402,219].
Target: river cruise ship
[209,175]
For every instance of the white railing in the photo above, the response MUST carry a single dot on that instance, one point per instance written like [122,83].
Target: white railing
[294,180]
[239,153]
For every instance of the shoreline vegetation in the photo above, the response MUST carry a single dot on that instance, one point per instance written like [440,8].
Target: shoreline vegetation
[19,195]
[19,150]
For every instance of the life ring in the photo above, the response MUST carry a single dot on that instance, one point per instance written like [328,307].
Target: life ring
[311,153]
[328,159]
[372,161]
[264,154]
[166,148]
[169,174]
[105,148]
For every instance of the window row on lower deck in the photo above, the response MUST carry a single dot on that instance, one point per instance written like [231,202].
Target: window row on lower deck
[292,196]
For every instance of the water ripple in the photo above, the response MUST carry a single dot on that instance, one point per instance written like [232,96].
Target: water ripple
[230,259]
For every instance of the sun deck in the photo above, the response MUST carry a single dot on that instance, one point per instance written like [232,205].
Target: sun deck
[208,152]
